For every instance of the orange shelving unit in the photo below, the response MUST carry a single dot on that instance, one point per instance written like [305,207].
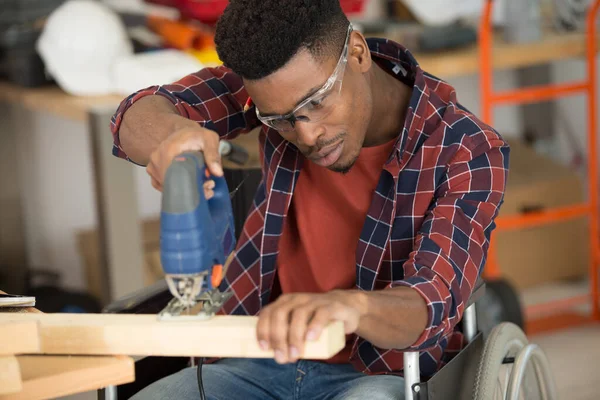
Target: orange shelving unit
[490,98]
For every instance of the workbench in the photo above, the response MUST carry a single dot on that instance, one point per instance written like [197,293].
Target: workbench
[36,377]
[50,355]
[117,208]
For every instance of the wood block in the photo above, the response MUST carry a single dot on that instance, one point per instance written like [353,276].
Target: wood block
[50,377]
[10,375]
[47,377]
[19,337]
[145,335]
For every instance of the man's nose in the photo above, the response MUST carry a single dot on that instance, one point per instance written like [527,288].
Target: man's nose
[307,134]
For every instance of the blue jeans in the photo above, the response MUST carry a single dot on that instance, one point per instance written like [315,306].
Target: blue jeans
[254,379]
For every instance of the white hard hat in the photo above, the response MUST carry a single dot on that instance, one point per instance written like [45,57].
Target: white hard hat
[155,67]
[80,44]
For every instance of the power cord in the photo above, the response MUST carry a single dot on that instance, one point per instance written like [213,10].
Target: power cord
[199,374]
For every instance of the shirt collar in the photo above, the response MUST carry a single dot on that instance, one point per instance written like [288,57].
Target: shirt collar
[400,62]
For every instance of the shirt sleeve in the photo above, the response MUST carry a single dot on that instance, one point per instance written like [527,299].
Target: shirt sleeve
[451,247]
[213,97]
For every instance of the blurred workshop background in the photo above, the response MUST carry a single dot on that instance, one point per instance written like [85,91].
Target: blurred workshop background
[79,228]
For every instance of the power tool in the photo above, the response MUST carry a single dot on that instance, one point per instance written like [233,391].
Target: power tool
[196,235]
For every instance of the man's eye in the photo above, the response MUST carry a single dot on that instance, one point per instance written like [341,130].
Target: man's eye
[317,103]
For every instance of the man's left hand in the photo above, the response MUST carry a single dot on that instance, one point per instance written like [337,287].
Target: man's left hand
[293,319]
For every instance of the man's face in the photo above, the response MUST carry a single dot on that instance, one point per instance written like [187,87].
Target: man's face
[330,129]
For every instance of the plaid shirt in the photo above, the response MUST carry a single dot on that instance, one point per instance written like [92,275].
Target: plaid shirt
[430,220]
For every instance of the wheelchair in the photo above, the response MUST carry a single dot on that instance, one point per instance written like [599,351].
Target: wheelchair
[474,373]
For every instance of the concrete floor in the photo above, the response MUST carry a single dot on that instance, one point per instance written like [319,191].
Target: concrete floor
[573,353]
[574,356]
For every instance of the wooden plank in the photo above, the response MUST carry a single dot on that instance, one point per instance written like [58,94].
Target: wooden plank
[19,337]
[53,100]
[145,335]
[50,377]
[10,375]
[46,377]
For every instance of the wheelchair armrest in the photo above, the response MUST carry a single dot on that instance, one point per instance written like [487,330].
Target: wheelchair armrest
[149,300]
[478,292]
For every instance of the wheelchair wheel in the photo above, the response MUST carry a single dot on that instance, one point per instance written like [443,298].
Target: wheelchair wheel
[500,303]
[508,350]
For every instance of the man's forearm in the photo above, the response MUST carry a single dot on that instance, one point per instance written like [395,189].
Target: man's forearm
[147,124]
[389,319]
[392,318]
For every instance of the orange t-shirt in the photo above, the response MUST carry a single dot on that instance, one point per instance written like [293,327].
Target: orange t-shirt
[317,248]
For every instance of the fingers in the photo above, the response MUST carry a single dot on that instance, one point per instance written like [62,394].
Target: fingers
[286,325]
[321,318]
[151,170]
[208,189]
[156,185]
[203,140]
[211,154]
[263,327]
[278,335]
[188,140]
[297,332]
[157,165]
[274,326]
[334,311]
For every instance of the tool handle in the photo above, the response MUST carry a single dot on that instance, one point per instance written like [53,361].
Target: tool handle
[196,234]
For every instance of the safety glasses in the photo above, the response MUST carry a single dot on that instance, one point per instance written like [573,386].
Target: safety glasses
[319,105]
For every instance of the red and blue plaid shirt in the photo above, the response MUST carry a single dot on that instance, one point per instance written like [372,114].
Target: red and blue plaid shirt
[430,220]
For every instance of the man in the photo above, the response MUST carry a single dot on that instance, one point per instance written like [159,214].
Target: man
[376,207]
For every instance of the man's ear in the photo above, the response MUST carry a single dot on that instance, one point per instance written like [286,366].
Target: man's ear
[359,53]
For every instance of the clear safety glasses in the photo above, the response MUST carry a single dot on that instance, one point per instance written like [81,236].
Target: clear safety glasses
[318,105]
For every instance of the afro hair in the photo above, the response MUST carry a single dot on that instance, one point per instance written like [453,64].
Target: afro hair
[255,38]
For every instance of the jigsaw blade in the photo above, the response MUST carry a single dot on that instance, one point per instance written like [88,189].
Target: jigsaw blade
[202,308]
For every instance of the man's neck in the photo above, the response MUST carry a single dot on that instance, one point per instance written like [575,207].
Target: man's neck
[390,104]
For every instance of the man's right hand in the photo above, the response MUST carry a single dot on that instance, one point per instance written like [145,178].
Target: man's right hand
[184,140]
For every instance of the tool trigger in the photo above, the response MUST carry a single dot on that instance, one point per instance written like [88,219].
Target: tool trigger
[217,275]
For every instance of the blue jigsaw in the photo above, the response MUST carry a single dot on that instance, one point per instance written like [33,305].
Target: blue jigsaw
[196,235]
